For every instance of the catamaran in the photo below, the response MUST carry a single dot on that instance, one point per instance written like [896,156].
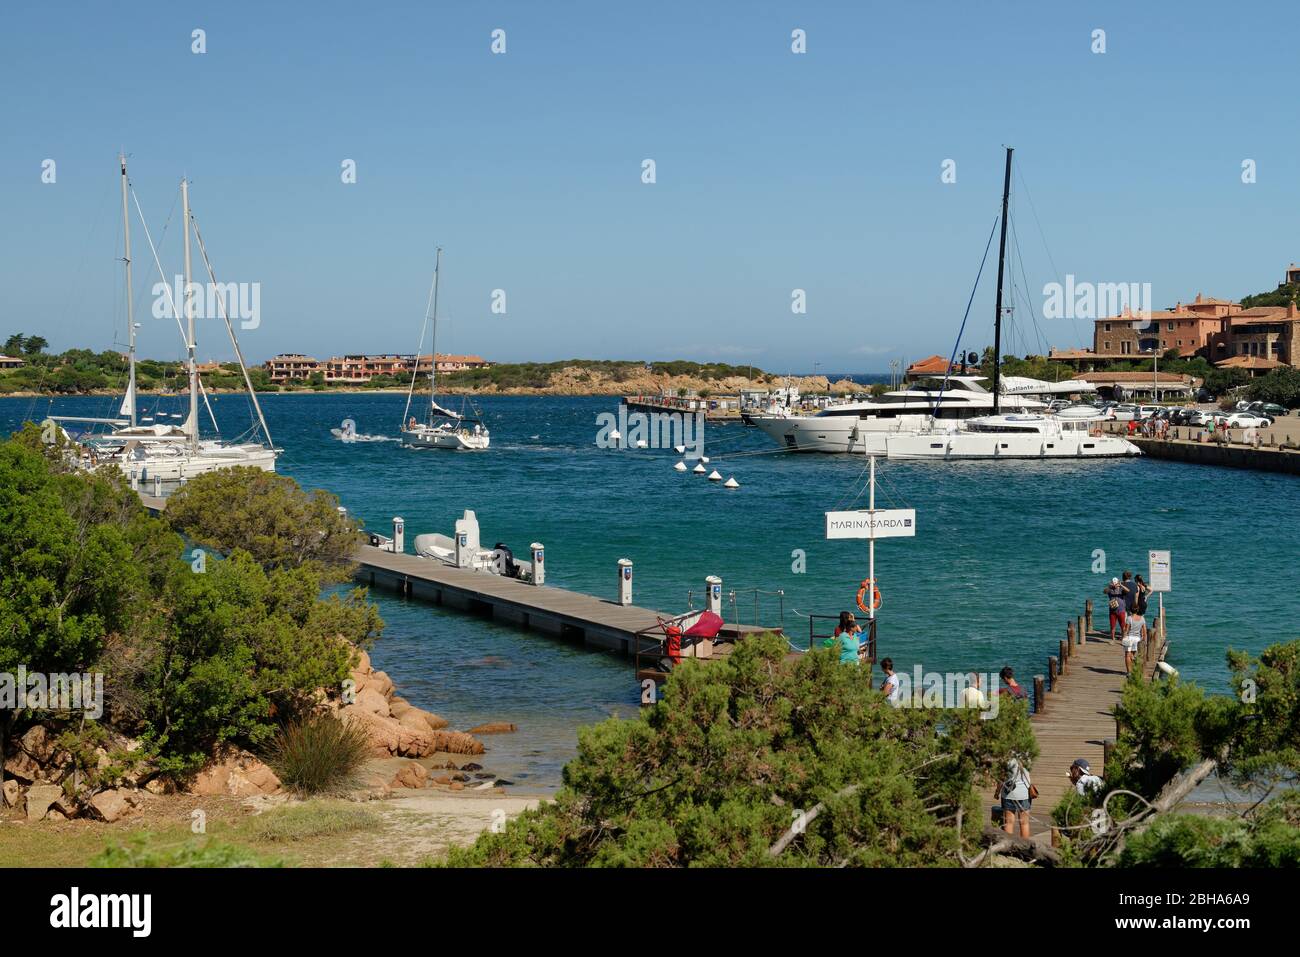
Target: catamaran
[441,428]
[160,457]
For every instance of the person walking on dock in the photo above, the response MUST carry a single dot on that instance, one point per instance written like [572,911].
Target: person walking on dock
[1135,632]
[1116,594]
[1142,591]
[1016,793]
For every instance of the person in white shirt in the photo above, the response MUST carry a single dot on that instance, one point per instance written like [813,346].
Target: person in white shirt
[972,696]
[1083,779]
[1016,799]
[890,686]
[1135,632]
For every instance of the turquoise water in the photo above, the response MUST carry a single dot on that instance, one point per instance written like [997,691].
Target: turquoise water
[1004,552]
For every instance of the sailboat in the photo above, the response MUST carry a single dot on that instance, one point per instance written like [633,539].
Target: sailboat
[441,428]
[160,457]
[1073,433]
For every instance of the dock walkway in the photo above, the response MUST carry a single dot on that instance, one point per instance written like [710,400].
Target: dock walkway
[596,622]
[1073,714]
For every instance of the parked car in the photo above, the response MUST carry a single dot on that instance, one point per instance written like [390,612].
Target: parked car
[1270,409]
[1124,413]
[1182,416]
[1248,420]
[1203,417]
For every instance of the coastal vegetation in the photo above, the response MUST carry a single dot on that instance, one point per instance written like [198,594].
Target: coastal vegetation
[1173,735]
[199,651]
[759,760]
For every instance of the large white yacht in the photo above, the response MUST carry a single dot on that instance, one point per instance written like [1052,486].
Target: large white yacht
[864,426]
[1070,433]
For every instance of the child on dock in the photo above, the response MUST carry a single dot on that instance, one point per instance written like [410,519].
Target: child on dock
[1135,632]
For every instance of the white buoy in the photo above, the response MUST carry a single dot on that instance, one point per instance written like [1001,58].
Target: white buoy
[680,467]
[679,449]
[731,483]
[704,459]
[699,469]
[614,437]
[642,444]
[1167,668]
[714,476]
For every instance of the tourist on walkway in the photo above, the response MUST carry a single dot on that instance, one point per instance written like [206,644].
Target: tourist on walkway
[1142,591]
[1115,592]
[890,687]
[1016,793]
[848,638]
[1010,686]
[1083,779]
[1135,632]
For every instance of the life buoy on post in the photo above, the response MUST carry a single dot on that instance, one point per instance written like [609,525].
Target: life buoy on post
[875,594]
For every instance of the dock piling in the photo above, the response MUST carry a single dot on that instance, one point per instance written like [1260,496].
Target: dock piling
[1053,671]
[1087,614]
[1040,695]
[1063,653]
[1081,629]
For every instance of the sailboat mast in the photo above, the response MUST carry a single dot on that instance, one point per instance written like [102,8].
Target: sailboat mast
[997,309]
[130,318]
[433,343]
[193,423]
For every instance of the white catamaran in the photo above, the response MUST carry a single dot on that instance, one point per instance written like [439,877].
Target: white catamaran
[441,428]
[159,457]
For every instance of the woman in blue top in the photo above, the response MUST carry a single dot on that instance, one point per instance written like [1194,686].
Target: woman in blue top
[849,637]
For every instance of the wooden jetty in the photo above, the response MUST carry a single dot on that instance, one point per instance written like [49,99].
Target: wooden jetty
[1073,714]
[594,622]
[721,408]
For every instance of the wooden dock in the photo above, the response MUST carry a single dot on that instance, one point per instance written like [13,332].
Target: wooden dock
[594,622]
[1073,713]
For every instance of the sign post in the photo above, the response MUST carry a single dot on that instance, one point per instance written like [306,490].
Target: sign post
[1160,575]
[872,524]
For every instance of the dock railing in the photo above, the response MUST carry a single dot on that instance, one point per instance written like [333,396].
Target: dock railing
[755,601]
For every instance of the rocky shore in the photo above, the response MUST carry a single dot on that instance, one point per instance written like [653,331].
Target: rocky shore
[411,749]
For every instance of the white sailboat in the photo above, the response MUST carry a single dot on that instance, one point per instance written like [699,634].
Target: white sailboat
[441,428]
[160,457]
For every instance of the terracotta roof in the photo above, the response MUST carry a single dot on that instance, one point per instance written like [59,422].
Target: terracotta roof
[1248,362]
[1075,354]
[928,366]
[1102,378]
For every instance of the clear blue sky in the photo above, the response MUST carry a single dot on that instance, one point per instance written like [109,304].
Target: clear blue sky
[775,171]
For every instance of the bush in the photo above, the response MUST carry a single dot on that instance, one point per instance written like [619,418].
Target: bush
[320,755]
[137,853]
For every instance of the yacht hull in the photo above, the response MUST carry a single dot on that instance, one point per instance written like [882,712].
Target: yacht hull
[457,440]
[991,445]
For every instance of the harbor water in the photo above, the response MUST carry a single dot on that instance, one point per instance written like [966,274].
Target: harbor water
[1004,552]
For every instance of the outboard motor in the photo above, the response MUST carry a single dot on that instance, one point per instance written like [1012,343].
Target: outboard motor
[506,563]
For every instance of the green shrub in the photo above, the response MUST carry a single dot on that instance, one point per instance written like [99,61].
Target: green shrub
[320,755]
[137,853]
[314,819]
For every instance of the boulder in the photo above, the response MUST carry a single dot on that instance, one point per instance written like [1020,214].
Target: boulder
[110,806]
[39,799]
[12,792]
[493,727]
[383,732]
[435,722]
[39,743]
[23,767]
[412,775]
[456,786]
[238,774]
[456,742]
[156,786]
[379,682]
[415,744]
[65,805]
[362,667]
[413,719]
[368,699]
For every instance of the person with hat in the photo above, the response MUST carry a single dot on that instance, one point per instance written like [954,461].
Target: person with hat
[1083,779]
[1118,596]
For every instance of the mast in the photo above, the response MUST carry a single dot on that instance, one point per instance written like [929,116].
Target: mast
[433,343]
[192,426]
[997,309]
[130,318]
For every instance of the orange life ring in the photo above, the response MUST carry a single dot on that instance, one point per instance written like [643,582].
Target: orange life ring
[875,594]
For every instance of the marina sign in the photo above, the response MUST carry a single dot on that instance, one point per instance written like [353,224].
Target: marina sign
[866,523]
[1158,571]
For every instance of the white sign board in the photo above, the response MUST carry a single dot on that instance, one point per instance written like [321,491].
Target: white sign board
[1158,571]
[882,523]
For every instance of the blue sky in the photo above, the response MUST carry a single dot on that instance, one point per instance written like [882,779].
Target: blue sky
[775,171]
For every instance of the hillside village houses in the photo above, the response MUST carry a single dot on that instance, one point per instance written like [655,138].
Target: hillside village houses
[356,369]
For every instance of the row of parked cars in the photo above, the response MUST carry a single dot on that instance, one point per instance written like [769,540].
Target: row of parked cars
[1247,415]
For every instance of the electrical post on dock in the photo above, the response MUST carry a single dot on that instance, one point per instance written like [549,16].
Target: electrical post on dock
[871,523]
[624,581]
[539,568]
[399,535]
[713,594]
